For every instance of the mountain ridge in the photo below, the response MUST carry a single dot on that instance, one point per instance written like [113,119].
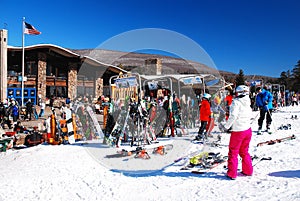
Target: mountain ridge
[131,60]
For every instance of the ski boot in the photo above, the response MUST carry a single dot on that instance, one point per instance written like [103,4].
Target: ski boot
[204,136]
[219,138]
[259,132]
[198,138]
[268,130]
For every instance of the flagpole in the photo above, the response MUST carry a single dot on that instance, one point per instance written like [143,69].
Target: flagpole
[23,61]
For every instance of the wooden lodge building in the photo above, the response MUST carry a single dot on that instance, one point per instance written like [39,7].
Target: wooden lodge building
[50,70]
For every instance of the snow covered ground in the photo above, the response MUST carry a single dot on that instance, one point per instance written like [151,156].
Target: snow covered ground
[78,172]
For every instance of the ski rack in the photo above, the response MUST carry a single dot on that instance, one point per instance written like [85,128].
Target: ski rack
[125,81]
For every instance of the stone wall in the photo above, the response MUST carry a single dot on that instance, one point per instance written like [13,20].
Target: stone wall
[41,79]
[99,87]
[72,81]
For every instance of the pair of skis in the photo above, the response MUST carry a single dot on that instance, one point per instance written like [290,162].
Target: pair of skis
[271,142]
[204,161]
[218,163]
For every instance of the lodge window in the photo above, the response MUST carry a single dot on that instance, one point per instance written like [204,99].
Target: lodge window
[61,72]
[31,69]
[56,91]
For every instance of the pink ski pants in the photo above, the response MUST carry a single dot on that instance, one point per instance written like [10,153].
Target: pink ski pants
[239,145]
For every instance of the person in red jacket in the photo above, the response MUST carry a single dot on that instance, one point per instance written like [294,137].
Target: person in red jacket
[205,113]
[228,101]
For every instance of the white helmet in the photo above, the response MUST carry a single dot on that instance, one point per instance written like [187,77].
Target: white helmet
[207,96]
[242,90]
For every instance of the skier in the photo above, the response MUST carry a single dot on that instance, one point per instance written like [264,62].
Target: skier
[14,112]
[205,113]
[264,101]
[294,100]
[241,133]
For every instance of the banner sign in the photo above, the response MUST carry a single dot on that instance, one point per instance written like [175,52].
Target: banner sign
[256,83]
[192,80]
[126,82]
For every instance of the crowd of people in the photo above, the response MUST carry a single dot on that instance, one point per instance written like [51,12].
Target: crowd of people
[11,112]
[231,107]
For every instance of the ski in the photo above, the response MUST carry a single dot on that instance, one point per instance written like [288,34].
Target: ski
[261,132]
[271,142]
[208,169]
[188,156]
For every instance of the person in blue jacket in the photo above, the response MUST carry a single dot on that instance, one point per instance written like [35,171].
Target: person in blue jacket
[263,101]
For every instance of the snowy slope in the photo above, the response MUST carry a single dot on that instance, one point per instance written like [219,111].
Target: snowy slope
[74,172]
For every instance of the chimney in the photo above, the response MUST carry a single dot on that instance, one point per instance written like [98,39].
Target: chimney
[153,66]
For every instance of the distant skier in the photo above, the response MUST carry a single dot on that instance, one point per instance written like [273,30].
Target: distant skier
[294,100]
[264,101]
[241,133]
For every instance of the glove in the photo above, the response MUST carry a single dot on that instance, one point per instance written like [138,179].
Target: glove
[266,103]
[223,129]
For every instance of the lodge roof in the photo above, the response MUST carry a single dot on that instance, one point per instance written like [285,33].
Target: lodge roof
[68,53]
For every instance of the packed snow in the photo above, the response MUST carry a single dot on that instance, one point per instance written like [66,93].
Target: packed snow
[84,172]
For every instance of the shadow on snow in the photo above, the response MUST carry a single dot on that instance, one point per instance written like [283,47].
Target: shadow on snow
[287,174]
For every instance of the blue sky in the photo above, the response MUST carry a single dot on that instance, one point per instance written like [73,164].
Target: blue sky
[262,37]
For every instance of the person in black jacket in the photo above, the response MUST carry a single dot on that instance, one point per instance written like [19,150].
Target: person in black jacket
[29,110]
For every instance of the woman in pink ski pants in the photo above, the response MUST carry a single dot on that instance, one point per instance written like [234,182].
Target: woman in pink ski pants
[239,123]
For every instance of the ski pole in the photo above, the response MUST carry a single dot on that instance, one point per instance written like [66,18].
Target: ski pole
[263,159]
[271,118]
[254,118]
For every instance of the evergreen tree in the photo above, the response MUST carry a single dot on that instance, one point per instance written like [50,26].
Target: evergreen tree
[295,81]
[283,78]
[240,78]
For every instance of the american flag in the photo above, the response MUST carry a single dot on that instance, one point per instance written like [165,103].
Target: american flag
[29,29]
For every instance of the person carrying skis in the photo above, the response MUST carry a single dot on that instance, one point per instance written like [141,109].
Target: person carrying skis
[264,101]
[241,133]
[205,113]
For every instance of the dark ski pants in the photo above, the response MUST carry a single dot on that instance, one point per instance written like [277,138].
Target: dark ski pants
[261,119]
[239,145]
[202,128]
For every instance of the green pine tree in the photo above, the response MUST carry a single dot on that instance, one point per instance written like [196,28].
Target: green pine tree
[240,78]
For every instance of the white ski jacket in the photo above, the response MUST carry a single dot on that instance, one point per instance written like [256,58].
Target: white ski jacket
[239,114]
